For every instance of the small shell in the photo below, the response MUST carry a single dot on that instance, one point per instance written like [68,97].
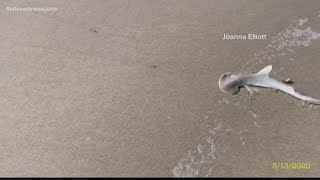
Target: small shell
[287,80]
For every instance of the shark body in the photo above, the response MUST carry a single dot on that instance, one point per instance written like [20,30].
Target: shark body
[231,84]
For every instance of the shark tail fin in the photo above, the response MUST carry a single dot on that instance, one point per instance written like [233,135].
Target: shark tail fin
[265,71]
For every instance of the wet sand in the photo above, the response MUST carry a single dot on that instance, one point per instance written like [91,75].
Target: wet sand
[130,88]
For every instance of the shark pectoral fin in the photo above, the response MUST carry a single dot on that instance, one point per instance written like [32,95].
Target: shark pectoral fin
[265,71]
[251,89]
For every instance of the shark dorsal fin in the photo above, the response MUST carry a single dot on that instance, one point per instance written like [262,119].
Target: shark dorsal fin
[265,71]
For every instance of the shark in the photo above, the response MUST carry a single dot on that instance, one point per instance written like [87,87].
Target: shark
[232,83]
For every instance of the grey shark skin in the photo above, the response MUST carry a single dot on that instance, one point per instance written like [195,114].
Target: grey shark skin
[231,84]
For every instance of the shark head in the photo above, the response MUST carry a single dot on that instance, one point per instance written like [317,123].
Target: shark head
[228,83]
[231,84]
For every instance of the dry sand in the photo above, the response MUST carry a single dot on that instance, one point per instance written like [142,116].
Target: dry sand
[129,88]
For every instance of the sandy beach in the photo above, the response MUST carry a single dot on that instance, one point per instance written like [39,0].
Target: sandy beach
[130,88]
